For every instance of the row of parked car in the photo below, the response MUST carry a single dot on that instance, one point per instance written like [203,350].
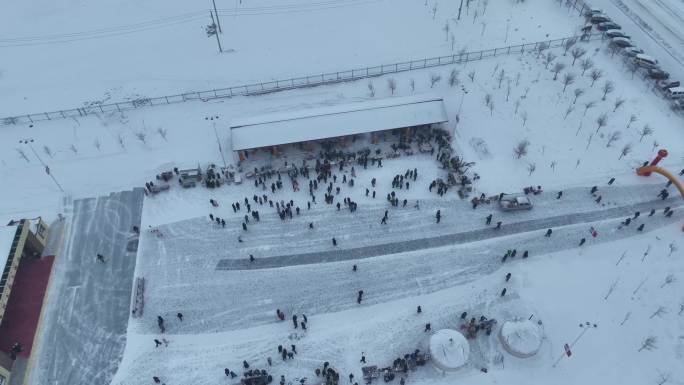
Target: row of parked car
[622,42]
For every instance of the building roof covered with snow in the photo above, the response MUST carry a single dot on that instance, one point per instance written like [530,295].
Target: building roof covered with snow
[336,120]
[449,350]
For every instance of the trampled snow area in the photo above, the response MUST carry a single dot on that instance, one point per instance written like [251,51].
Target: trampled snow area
[79,53]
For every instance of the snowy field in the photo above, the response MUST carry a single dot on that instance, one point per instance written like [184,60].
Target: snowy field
[579,133]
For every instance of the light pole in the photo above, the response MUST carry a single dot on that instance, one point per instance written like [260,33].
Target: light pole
[28,142]
[568,352]
[218,141]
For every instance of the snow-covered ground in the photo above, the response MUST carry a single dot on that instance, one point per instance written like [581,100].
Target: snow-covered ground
[155,48]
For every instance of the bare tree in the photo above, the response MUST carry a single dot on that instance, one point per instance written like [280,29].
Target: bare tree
[557,68]
[618,103]
[22,155]
[412,85]
[646,131]
[446,32]
[586,64]
[47,151]
[453,42]
[568,44]
[434,79]
[568,79]
[517,105]
[517,79]
[625,150]
[508,89]
[120,139]
[471,75]
[548,59]
[488,99]
[659,312]
[500,77]
[627,315]
[541,47]
[371,89]
[568,111]
[672,247]
[141,136]
[462,52]
[453,78]
[668,280]
[577,53]
[655,144]
[649,343]
[521,148]
[595,75]
[613,137]
[632,119]
[523,116]
[578,92]
[601,121]
[434,11]
[97,144]
[662,378]
[611,289]
[531,167]
[163,132]
[681,308]
[392,85]
[587,106]
[491,108]
[607,88]
[73,149]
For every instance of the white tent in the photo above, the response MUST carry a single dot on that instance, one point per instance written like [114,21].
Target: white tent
[335,121]
[521,338]
[449,350]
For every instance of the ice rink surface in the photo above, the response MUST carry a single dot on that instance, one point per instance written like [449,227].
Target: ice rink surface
[84,326]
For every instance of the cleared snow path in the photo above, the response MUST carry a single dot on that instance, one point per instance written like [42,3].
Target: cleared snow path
[445,240]
[84,329]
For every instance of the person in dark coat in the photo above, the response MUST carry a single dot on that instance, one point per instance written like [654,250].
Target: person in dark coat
[508,276]
[548,233]
[488,220]
[334,242]
[360,297]
[610,182]
[582,241]
[294,320]
[311,225]
[180,316]
[498,225]
[503,292]
[245,364]
[419,310]
[559,195]
[244,226]
[428,327]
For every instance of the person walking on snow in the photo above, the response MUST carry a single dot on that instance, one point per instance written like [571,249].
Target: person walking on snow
[488,220]
[180,316]
[548,233]
[508,276]
[498,225]
[358,300]
[294,320]
[334,242]
[100,258]
[559,195]
[582,241]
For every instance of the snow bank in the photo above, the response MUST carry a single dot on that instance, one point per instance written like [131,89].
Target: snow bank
[449,350]
[521,338]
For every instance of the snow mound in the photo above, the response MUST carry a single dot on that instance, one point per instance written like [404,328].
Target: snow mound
[449,350]
[521,338]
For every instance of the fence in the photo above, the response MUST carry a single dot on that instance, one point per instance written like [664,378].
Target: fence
[288,84]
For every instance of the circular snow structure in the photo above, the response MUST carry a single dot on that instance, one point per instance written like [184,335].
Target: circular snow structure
[521,338]
[449,350]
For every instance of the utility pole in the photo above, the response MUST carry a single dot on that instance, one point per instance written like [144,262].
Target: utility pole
[212,30]
[459,10]
[47,169]
[218,22]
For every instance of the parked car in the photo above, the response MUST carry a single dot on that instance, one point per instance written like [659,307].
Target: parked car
[515,202]
[608,25]
[675,93]
[632,51]
[593,11]
[678,104]
[599,18]
[645,61]
[664,85]
[658,74]
[621,42]
[615,33]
